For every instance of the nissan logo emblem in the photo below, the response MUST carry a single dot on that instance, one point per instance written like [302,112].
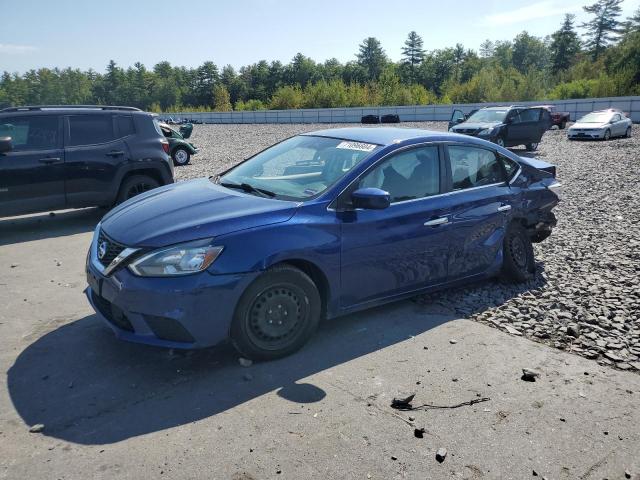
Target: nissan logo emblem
[102,250]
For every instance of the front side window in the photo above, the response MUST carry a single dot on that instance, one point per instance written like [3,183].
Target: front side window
[530,115]
[90,129]
[408,175]
[31,133]
[299,168]
[474,167]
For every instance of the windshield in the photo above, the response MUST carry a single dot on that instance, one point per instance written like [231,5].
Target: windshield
[298,168]
[595,118]
[482,116]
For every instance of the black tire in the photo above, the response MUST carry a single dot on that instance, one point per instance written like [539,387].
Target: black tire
[500,142]
[532,147]
[180,156]
[563,125]
[518,264]
[628,133]
[135,185]
[607,135]
[276,315]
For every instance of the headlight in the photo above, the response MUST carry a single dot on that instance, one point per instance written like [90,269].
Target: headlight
[181,259]
[486,131]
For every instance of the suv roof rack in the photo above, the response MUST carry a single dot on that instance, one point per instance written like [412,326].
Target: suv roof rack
[68,107]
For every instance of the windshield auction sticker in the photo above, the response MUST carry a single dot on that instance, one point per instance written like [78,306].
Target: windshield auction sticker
[362,147]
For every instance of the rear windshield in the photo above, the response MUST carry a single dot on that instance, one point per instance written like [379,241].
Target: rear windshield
[488,116]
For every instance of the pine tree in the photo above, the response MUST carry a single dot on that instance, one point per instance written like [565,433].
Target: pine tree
[632,24]
[604,28]
[372,58]
[565,45]
[487,48]
[413,53]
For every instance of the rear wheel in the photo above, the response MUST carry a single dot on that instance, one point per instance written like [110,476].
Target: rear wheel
[518,263]
[500,141]
[563,125]
[180,156]
[531,147]
[135,185]
[276,315]
[607,134]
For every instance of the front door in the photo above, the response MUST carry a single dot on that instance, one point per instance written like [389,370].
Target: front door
[480,207]
[32,173]
[403,247]
[456,117]
[528,126]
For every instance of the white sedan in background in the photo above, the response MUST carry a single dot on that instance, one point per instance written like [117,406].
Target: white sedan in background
[602,124]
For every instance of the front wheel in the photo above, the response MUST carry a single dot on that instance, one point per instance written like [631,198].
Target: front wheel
[500,142]
[628,133]
[276,315]
[532,147]
[180,156]
[607,134]
[518,264]
[135,185]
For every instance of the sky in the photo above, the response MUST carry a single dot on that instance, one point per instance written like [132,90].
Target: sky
[88,33]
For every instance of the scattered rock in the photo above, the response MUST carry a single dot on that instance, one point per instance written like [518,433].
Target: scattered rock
[245,362]
[529,375]
[37,428]
[441,454]
[419,432]
[573,330]
[15,265]
[394,458]
[402,401]
[453,341]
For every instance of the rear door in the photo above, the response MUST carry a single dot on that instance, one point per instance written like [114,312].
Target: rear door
[32,174]
[95,148]
[618,126]
[480,207]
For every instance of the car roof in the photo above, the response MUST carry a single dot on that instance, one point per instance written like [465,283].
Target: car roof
[388,135]
[68,109]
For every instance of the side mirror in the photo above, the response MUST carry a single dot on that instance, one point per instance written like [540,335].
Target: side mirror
[5,144]
[461,120]
[371,199]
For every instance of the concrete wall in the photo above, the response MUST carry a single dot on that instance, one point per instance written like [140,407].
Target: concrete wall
[419,113]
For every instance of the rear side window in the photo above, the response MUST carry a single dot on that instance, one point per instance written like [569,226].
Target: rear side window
[474,167]
[510,167]
[124,126]
[90,129]
[408,175]
[31,133]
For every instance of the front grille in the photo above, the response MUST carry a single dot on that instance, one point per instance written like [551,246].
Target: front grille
[467,131]
[112,313]
[111,248]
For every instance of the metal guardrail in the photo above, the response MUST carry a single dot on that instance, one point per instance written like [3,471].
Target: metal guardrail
[417,113]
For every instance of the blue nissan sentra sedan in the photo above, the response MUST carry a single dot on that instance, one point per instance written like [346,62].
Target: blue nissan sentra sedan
[316,226]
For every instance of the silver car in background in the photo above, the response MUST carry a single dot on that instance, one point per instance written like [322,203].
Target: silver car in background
[602,124]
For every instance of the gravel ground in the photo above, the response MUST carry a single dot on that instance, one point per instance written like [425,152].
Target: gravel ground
[586,294]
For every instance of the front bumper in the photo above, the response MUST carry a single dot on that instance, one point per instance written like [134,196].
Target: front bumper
[586,135]
[191,311]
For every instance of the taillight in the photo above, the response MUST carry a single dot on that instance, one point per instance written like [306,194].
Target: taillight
[165,145]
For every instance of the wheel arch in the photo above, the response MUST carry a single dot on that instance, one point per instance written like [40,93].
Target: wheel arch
[317,275]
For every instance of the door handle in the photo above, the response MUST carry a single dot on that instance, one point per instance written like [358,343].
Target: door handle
[115,153]
[436,221]
[504,208]
[50,160]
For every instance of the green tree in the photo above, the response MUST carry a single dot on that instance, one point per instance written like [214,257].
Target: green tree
[632,24]
[221,99]
[565,45]
[486,49]
[604,27]
[412,53]
[371,58]
[528,52]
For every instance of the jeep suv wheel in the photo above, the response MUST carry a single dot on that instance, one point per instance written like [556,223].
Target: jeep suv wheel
[135,185]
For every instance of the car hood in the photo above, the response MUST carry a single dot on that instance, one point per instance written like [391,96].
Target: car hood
[190,210]
[475,125]
[588,125]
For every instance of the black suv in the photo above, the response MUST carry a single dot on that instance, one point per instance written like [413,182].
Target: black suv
[55,157]
[506,126]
